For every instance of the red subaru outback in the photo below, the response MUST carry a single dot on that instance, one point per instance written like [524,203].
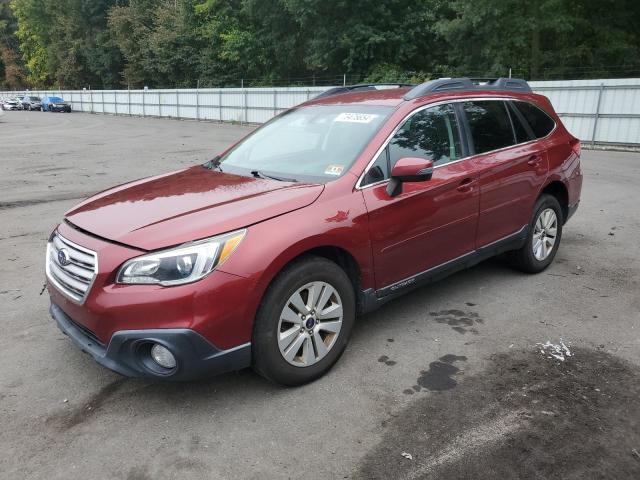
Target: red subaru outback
[264,256]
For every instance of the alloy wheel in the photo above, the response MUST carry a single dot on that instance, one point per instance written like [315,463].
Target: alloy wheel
[544,234]
[309,324]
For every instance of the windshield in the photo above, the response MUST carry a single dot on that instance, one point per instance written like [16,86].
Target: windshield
[55,99]
[317,143]
[35,99]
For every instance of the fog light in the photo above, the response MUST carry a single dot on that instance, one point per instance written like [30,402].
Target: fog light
[162,356]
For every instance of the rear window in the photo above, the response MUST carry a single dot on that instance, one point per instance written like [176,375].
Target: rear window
[540,122]
[490,125]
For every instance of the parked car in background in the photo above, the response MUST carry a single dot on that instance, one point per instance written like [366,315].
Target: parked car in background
[11,104]
[31,103]
[55,104]
[265,255]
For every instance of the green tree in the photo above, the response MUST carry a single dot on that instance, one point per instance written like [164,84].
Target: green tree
[180,43]
[164,42]
[358,36]
[12,74]
[66,43]
[539,39]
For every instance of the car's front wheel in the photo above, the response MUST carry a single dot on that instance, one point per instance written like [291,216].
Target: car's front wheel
[304,322]
[543,239]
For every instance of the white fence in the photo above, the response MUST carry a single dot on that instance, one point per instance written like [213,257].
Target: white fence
[242,105]
[596,111]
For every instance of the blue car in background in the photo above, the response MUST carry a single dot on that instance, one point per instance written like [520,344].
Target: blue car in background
[55,104]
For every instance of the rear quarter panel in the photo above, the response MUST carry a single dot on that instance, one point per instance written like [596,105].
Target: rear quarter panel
[564,163]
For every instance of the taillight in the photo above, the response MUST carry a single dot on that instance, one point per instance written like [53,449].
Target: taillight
[576,146]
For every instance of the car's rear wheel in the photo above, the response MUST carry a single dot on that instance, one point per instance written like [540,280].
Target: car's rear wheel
[304,322]
[543,239]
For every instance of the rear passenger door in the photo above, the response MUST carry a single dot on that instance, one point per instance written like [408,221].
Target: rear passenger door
[512,168]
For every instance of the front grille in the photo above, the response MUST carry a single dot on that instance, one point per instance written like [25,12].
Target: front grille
[73,270]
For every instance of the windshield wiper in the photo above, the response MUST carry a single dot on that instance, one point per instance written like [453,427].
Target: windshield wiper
[259,174]
[213,164]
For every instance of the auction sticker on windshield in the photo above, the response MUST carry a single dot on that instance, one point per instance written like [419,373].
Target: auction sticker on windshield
[356,117]
[333,169]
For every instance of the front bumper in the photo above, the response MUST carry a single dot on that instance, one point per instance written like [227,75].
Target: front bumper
[65,108]
[128,351]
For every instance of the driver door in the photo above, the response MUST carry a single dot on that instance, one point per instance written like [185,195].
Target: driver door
[430,222]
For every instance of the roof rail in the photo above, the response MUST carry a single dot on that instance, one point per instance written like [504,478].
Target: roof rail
[361,87]
[464,83]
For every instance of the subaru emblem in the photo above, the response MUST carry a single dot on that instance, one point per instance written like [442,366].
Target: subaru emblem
[63,257]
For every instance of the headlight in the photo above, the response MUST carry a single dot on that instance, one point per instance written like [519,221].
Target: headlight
[184,264]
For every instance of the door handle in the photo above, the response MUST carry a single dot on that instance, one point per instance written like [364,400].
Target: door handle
[465,185]
[534,160]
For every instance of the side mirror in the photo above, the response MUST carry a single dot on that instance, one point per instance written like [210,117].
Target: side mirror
[409,169]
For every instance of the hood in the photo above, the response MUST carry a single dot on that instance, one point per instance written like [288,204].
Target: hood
[187,205]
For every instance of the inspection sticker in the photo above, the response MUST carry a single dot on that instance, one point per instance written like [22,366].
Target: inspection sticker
[355,117]
[333,169]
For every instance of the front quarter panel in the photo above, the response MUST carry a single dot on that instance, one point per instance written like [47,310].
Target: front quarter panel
[337,219]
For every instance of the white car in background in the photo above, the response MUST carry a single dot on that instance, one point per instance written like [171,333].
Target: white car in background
[11,104]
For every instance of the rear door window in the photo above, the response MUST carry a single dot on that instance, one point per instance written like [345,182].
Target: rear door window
[540,122]
[489,124]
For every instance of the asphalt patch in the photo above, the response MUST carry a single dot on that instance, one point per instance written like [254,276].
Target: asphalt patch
[459,320]
[524,416]
[440,375]
[384,359]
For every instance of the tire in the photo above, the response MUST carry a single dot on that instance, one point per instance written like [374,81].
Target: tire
[534,260]
[269,346]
